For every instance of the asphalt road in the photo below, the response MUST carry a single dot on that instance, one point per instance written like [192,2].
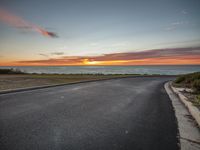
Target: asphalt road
[118,114]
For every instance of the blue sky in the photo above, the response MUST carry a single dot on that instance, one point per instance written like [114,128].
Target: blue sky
[96,27]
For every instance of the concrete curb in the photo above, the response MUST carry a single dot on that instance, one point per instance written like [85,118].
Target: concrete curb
[194,111]
[189,134]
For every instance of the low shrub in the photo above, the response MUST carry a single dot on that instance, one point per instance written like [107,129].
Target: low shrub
[11,71]
[196,85]
[190,81]
[180,79]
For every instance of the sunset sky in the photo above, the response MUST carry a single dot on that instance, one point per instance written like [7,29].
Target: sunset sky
[99,32]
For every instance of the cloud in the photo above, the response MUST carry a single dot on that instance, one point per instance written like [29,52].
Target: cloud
[184,12]
[175,25]
[189,55]
[57,53]
[52,61]
[45,55]
[155,53]
[18,22]
[51,54]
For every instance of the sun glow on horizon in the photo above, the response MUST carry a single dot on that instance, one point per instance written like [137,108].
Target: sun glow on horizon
[173,56]
[88,62]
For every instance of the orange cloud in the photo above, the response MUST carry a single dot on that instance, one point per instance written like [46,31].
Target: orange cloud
[18,22]
[173,56]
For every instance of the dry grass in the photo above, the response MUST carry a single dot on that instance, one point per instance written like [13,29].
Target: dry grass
[15,81]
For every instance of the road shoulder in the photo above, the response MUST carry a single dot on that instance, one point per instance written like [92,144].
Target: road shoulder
[189,133]
[194,111]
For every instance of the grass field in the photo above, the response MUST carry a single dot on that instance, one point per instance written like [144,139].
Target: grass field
[15,79]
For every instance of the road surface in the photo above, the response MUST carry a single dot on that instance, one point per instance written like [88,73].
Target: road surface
[118,114]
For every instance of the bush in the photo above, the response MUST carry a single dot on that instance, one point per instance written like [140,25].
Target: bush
[197,100]
[191,80]
[196,85]
[11,71]
[180,79]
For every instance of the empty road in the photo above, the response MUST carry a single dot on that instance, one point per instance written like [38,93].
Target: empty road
[118,114]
